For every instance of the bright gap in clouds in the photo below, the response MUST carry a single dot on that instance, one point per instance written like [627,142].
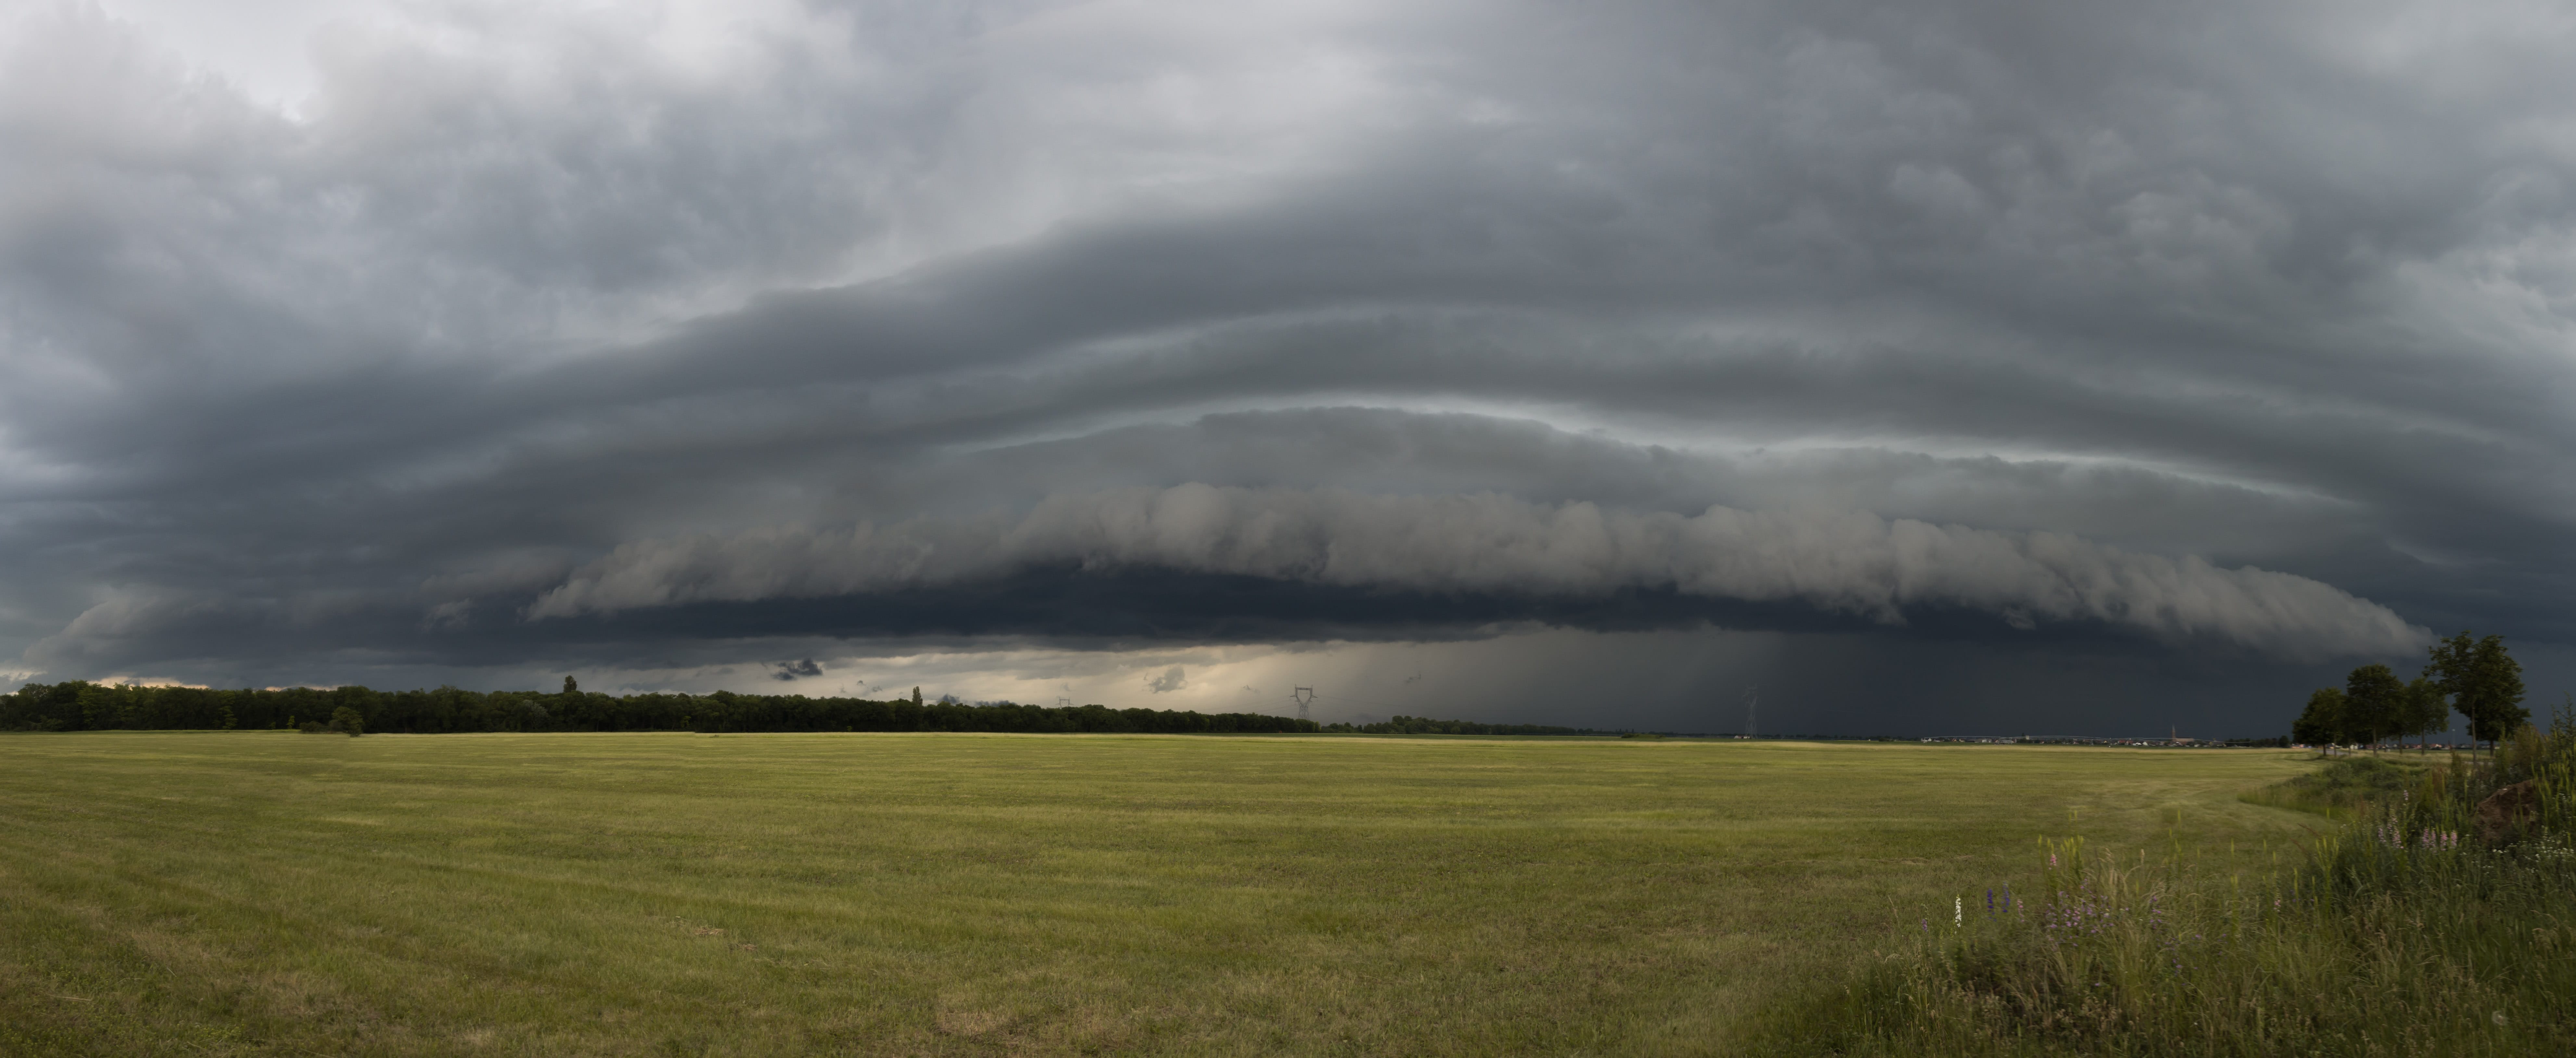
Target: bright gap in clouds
[269,49]
[262,47]
[1685,680]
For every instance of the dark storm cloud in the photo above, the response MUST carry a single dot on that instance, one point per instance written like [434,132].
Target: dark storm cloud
[1486,543]
[534,337]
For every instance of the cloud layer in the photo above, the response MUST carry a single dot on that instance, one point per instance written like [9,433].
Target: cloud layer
[336,339]
[1850,561]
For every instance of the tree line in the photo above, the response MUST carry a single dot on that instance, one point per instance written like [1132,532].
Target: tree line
[1418,725]
[2474,676]
[83,706]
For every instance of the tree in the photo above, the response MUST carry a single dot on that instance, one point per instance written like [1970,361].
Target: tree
[2322,722]
[571,686]
[2374,704]
[2483,682]
[347,720]
[103,707]
[2426,710]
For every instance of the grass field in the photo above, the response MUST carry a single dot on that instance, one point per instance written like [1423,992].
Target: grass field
[237,892]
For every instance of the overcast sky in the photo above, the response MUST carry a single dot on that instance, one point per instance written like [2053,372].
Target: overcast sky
[2083,367]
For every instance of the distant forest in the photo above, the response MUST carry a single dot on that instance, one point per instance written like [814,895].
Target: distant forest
[82,706]
[1417,725]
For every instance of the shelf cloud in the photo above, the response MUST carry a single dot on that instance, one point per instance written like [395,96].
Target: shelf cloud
[2090,360]
[1847,561]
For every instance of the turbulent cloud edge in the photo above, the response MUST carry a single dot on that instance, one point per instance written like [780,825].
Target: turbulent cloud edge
[1846,561]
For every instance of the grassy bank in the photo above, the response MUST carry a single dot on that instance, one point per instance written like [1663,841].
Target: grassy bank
[886,894]
[2417,928]
[2344,787]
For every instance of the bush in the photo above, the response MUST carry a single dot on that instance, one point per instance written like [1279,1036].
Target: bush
[347,720]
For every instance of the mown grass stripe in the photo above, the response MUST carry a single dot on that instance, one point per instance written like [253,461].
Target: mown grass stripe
[977,894]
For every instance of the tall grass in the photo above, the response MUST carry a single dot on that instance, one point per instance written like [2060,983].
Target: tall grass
[2343,789]
[2403,932]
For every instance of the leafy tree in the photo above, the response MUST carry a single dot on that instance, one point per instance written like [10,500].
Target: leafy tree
[2374,705]
[2483,682]
[102,707]
[2426,710]
[347,720]
[2322,722]
[571,686]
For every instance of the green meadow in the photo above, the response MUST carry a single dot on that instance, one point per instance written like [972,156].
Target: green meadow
[576,894]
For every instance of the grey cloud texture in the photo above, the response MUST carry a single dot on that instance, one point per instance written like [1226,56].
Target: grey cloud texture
[1846,561]
[521,295]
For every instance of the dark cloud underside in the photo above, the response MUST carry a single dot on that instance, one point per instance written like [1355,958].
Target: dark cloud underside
[2225,340]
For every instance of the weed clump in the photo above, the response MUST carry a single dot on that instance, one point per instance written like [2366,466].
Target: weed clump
[2343,788]
[2405,932]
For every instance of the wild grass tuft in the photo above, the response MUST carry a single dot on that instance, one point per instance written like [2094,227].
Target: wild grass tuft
[2408,931]
[2343,789]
